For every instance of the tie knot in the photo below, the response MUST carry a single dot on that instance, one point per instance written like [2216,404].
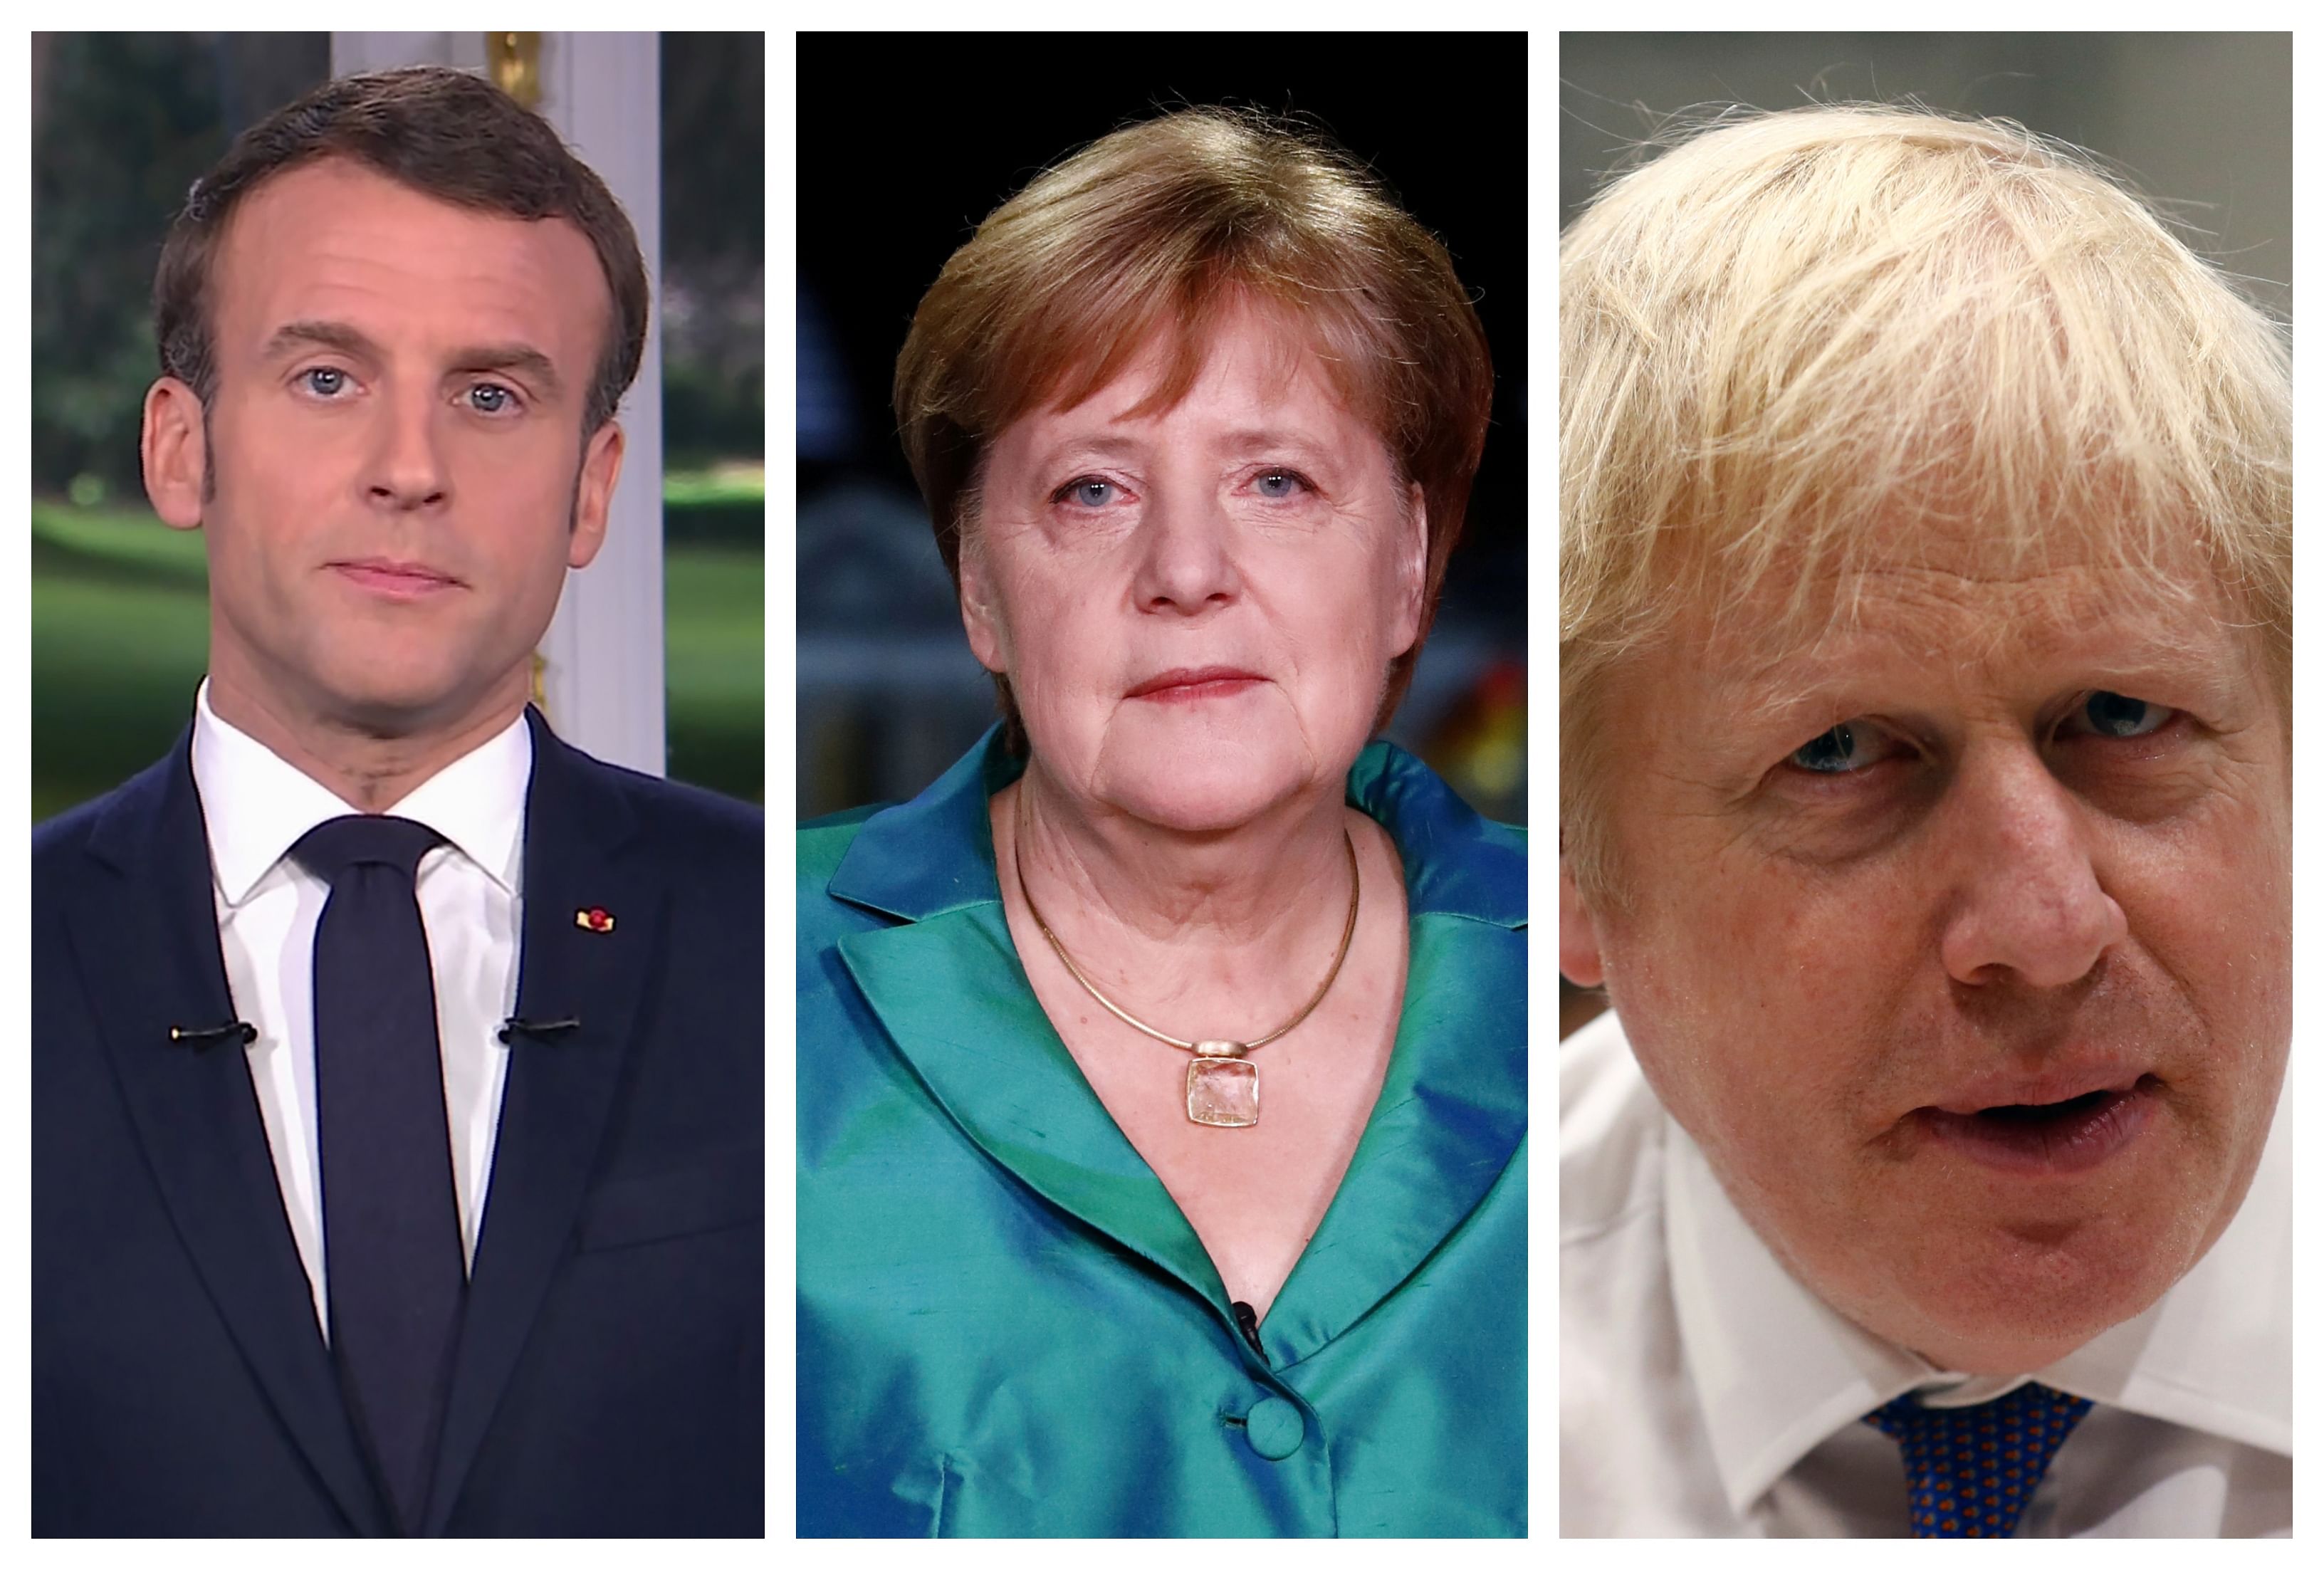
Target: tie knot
[364,839]
[1971,1470]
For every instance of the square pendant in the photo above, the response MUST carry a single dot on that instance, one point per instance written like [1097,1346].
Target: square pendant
[1222,1092]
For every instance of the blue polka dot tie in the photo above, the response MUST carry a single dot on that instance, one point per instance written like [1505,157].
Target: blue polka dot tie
[1969,1472]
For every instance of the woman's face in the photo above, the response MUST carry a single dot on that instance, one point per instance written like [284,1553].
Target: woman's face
[1196,608]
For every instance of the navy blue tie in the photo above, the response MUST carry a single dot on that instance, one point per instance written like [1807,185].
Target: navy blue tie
[1969,1472]
[391,1222]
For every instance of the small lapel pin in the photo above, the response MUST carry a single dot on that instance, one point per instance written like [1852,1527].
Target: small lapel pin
[593,919]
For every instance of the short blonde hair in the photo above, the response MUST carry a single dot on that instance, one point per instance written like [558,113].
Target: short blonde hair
[1792,330]
[1168,228]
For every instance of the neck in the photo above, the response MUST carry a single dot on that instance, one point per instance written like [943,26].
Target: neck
[370,767]
[1220,933]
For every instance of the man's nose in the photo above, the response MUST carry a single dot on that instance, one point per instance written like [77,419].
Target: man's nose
[1186,554]
[406,466]
[2028,903]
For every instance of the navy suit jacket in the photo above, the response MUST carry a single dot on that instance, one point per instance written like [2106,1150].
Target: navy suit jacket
[610,1374]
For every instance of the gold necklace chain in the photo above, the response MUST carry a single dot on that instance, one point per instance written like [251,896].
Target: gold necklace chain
[1347,933]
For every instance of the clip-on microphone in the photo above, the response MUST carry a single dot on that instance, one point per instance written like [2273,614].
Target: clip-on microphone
[543,1031]
[198,1038]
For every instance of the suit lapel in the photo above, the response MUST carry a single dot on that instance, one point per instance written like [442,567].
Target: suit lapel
[144,929]
[560,1089]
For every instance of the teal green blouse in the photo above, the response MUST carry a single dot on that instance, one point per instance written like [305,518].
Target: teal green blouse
[1005,1328]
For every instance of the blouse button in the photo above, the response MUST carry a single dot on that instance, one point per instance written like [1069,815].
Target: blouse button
[1275,1428]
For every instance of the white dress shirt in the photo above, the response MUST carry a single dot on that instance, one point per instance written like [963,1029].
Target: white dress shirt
[1705,1392]
[255,806]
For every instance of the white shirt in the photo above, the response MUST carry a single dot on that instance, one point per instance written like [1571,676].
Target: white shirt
[255,806]
[1705,1392]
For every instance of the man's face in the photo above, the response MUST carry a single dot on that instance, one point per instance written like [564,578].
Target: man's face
[1960,941]
[398,479]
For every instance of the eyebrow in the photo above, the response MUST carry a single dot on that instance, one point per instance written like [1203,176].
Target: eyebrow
[1775,689]
[1251,441]
[1097,447]
[1265,437]
[292,337]
[520,358]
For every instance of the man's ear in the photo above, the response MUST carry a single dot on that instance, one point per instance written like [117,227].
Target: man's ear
[593,498]
[1579,959]
[174,448]
[980,612]
[1412,575]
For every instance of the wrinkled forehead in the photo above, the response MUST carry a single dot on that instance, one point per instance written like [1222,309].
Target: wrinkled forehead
[1941,591]
[331,237]
[1256,347]
[2027,579]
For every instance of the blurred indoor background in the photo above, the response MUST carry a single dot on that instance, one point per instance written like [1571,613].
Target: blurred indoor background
[2201,123]
[888,692]
[123,123]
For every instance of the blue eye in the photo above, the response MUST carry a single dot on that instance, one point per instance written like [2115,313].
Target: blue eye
[490,398]
[324,381]
[1836,751]
[2110,714]
[1087,492]
[1277,485]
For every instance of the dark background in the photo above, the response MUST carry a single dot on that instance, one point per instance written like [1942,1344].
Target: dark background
[906,143]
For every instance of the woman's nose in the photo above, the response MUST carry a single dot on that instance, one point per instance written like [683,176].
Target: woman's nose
[1187,555]
[2028,901]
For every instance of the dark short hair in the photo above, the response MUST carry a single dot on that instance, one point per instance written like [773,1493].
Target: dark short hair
[1165,227]
[444,132]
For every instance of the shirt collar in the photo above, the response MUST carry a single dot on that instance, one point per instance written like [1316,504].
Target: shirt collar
[255,806]
[934,853]
[1778,1372]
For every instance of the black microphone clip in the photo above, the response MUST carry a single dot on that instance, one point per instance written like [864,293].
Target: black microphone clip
[239,1031]
[538,1029]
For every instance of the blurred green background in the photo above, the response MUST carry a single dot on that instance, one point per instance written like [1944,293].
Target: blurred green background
[122,125]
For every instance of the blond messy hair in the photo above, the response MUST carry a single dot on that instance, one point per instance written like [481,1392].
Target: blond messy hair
[1166,230]
[1795,338]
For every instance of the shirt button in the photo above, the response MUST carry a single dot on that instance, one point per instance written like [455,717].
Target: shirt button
[1275,1428]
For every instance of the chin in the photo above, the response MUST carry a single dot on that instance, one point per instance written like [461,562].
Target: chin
[1202,772]
[1201,792]
[390,702]
[2009,1300]
[1195,806]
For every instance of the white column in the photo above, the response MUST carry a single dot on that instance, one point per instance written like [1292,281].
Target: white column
[602,680]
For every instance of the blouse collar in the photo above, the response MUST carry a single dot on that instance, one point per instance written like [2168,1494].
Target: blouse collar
[948,989]
[934,854]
